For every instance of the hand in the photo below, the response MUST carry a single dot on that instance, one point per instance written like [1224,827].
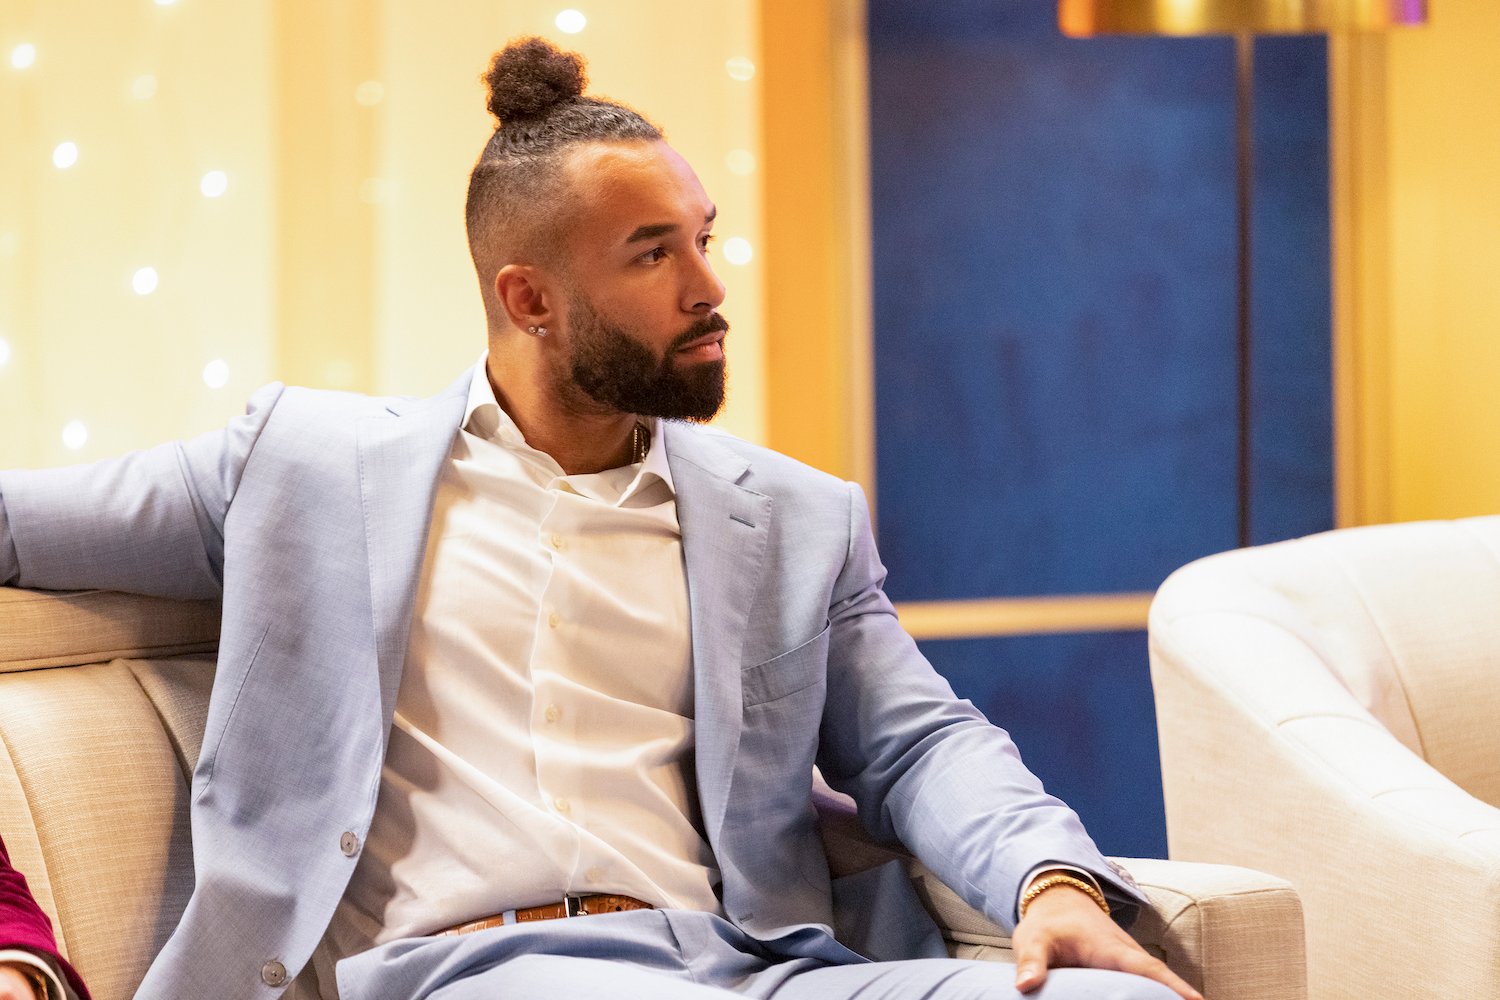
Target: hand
[14,985]
[1065,928]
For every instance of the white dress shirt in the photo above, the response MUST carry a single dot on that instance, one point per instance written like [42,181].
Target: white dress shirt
[543,735]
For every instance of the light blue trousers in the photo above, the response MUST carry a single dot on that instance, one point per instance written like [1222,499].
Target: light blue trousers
[682,955]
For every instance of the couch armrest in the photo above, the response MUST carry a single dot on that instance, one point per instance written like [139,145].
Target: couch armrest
[41,629]
[1233,933]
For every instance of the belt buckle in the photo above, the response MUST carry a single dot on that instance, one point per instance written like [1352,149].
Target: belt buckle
[573,907]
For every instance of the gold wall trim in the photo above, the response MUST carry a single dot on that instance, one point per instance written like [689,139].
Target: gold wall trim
[1000,616]
[815,134]
[1360,219]
[326,236]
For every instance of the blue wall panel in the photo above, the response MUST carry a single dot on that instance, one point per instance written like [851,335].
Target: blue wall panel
[1079,707]
[1054,248]
[1054,300]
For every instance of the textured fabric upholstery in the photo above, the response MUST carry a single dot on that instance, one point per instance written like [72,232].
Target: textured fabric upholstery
[1329,711]
[103,699]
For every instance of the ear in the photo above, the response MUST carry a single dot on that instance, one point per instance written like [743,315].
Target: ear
[524,293]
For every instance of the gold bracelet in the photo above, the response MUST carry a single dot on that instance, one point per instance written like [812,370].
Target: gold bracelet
[1046,882]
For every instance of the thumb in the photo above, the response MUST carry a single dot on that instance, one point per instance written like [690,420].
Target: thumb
[1031,965]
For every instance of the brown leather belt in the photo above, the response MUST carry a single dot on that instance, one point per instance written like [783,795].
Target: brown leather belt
[571,906]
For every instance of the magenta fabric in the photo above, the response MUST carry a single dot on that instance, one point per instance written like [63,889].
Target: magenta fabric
[24,925]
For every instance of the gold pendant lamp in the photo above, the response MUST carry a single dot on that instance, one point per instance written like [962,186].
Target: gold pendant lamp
[1083,18]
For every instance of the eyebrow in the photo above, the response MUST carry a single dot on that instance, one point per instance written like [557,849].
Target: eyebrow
[654,230]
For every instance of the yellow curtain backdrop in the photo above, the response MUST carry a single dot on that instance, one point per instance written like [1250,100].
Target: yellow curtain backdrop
[197,198]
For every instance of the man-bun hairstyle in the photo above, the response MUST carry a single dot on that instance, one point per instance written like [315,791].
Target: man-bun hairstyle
[515,190]
[531,77]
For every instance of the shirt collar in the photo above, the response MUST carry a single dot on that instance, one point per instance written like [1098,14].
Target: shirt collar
[484,417]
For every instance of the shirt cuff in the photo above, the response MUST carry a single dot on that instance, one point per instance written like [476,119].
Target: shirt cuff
[57,988]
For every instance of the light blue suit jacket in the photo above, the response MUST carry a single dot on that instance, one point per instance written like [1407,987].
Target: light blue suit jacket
[308,517]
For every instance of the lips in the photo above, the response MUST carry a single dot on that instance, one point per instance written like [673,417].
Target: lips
[714,340]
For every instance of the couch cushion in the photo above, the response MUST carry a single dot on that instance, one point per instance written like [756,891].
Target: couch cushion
[54,629]
[89,763]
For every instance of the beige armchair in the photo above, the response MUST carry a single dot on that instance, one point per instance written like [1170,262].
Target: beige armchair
[102,703]
[1329,711]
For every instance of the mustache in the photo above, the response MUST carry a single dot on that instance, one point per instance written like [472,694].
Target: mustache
[712,323]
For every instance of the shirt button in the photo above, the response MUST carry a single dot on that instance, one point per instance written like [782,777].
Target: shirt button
[552,714]
[557,541]
[273,973]
[349,844]
[554,619]
[561,804]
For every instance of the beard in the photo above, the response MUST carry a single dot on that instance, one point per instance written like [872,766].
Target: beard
[614,369]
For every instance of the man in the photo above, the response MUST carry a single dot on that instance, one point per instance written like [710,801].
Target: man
[30,967]
[538,649]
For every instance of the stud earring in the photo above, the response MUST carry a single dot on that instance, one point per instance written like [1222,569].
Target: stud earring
[537,331]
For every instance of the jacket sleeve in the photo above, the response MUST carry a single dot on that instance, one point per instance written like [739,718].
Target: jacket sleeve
[925,767]
[151,522]
[23,924]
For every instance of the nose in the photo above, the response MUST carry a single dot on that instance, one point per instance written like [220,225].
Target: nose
[704,291]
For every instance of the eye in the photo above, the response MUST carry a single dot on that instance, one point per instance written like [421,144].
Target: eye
[705,241]
[654,255]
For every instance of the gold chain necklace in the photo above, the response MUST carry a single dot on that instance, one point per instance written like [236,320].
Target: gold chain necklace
[640,443]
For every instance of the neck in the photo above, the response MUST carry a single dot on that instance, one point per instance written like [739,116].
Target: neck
[580,440]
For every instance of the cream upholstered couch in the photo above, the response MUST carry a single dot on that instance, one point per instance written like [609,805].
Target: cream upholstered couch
[1329,711]
[102,702]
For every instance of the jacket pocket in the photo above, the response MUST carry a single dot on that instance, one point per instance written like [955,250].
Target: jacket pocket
[795,670]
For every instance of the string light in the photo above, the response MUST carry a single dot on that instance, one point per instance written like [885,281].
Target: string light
[739,68]
[75,435]
[740,162]
[216,374]
[144,281]
[214,184]
[23,56]
[737,250]
[65,155]
[571,21]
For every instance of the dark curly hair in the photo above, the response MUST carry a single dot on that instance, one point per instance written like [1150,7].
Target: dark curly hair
[515,190]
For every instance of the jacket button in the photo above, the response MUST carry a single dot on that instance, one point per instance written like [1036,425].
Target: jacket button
[349,844]
[273,973]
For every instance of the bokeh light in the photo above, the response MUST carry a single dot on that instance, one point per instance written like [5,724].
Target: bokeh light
[740,162]
[740,68]
[216,374]
[214,184]
[571,21]
[369,93]
[75,434]
[65,155]
[23,56]
[737,250]
[144,281]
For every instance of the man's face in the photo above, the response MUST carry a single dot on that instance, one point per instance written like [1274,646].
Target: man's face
[641,322]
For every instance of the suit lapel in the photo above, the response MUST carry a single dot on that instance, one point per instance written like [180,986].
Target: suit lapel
[724,532]
[400,458]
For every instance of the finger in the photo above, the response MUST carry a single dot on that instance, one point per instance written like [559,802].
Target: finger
[1031,964]
[1139,963]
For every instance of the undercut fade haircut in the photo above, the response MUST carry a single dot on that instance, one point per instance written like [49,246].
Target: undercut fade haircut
[516,190]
